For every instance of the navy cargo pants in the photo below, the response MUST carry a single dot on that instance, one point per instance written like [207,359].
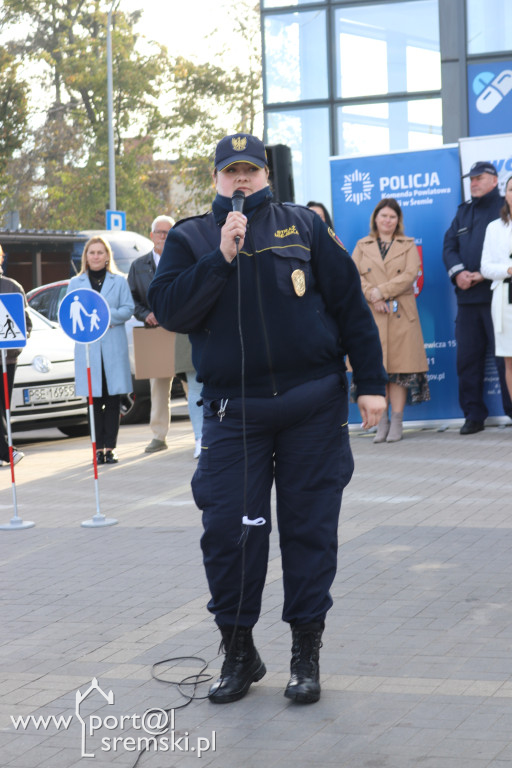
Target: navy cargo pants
[474,334]
[298,439]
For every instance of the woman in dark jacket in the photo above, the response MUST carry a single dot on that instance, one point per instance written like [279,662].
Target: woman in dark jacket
[272,303]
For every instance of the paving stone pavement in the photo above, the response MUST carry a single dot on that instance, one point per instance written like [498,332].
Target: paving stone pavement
[416,663]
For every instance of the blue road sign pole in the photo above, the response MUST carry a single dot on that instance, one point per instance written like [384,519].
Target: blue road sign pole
[84,316]
[16,523]
[99,520]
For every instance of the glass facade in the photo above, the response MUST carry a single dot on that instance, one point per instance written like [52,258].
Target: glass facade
[349,78]
[306,132]
[489,26]
[386,126]
[284,3]
[295,57]
[361,77]
[395,51]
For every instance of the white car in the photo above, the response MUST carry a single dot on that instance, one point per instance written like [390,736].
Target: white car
[44,384]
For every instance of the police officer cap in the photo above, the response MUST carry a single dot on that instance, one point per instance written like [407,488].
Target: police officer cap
[240,148]
[481,167]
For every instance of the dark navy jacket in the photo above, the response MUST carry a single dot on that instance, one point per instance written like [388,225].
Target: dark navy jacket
[464,240]
[288,339]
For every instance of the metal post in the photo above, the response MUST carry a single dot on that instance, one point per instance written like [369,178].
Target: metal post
[99,520]
[15,523]
[110,100]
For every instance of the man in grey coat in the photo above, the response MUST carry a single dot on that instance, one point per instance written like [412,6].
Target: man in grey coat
[141,273]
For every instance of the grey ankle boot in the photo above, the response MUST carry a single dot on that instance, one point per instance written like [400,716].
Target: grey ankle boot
[382,428]
[395,429]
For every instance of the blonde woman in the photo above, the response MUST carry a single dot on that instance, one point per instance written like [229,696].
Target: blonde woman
[109,360]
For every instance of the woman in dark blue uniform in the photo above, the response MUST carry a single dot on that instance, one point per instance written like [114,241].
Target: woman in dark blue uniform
[270,327]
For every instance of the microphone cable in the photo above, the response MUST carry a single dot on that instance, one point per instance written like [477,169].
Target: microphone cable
[200,677]
[246,527]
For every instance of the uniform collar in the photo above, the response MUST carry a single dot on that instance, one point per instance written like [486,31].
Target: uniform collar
[221,206]
[488,199]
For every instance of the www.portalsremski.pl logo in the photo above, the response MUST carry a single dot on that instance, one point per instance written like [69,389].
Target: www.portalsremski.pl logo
[156,725]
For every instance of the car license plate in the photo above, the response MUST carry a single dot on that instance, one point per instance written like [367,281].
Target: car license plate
[58,392]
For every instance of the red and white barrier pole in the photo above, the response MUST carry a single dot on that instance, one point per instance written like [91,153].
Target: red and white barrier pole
[98,520]
[16,523]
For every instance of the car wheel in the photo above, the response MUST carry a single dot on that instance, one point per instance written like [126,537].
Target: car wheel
[135,409]
[75,430]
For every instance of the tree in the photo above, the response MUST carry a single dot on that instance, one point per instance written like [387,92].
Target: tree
[210,103]
[67,39]
[13,110]
[176,107]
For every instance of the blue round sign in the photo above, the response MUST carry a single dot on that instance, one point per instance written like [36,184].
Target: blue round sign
[84,315]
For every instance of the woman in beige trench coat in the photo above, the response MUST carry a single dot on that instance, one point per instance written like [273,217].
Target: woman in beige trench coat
[389,263]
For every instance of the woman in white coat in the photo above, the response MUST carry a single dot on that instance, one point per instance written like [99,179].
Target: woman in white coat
[496,265]
[109,359]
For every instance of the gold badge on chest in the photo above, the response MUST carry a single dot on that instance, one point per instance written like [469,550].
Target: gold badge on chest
[299,282]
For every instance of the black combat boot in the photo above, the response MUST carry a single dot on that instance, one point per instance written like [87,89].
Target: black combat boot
[242,666]
[304,683]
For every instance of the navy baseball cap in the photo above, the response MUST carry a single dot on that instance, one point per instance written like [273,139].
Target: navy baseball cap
[240,148]
[481,167]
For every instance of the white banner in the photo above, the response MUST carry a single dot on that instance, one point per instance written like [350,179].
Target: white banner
[494,149]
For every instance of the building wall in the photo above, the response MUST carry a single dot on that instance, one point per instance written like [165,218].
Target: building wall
[359,77]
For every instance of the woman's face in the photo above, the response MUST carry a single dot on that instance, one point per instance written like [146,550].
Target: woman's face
[508,194]
[242,176]
[386,222]
[97,256]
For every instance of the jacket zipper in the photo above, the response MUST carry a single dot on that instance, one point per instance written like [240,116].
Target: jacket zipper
[262,315]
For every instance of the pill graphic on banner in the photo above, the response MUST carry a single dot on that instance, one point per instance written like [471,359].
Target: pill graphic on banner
[495,92]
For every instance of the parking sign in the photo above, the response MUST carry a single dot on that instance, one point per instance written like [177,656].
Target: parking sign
[116,220]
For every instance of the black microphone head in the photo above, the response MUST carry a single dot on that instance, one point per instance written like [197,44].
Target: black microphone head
[237,200]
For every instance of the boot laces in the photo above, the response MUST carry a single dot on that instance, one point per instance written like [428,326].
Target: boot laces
[238,653]
[306,652]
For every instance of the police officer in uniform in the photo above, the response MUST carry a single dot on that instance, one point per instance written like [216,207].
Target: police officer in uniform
[270,327]
[474,333]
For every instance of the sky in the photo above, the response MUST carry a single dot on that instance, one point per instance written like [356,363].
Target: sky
[185,26]
[195,29]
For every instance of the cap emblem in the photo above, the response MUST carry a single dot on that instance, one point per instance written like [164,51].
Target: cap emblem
[239,143]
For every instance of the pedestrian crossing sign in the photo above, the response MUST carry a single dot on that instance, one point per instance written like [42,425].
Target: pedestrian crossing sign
[13,328]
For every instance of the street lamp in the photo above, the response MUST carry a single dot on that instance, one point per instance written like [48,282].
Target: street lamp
[110,90]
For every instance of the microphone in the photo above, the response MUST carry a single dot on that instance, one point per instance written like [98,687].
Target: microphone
[237,201]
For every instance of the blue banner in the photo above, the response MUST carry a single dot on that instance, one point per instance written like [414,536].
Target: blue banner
[427,185]
[490,97]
